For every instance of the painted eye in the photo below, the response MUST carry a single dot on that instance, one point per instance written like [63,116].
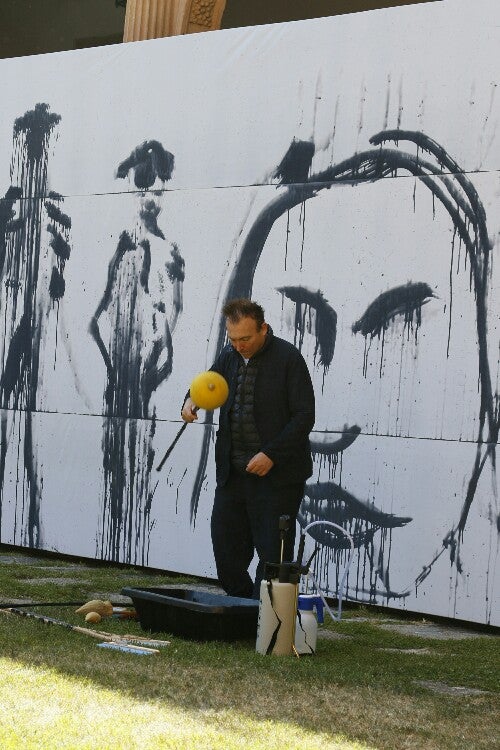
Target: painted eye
[402,301]
[313,314]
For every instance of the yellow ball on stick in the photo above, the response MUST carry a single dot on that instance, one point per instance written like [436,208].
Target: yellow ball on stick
[209,390]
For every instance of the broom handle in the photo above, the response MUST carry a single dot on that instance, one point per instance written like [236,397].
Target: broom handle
[50,621]
[76,628]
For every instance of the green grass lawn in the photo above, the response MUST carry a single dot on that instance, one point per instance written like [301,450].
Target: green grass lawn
[60,690]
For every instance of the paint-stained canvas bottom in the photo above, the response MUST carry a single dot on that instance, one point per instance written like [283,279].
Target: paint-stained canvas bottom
[195,615]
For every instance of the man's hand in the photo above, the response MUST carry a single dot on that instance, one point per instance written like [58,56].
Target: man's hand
[189,410]
[260,464]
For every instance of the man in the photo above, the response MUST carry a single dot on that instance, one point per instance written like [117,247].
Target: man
[262,451]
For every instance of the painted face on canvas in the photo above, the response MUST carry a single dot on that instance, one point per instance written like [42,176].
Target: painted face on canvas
[372,284]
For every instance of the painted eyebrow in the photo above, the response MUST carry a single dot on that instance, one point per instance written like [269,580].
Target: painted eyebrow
[406,300]
[326,319]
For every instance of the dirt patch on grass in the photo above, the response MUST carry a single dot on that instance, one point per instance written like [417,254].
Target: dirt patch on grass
[111,596]
[444,689]
[21,560]
[331,635]
[56,581]
[416,651]
[431,630]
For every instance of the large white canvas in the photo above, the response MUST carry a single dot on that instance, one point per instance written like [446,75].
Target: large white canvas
[272,180]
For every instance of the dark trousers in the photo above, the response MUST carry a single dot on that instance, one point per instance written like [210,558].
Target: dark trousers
[245,519]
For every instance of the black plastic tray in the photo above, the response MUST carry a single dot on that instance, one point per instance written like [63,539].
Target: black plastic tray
[196,615]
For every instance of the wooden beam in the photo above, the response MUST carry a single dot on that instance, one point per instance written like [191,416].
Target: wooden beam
[151,19]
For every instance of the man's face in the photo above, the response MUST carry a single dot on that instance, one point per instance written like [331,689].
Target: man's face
[245,336]
[402,382]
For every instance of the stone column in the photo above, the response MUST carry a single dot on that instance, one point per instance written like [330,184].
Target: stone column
[150,19]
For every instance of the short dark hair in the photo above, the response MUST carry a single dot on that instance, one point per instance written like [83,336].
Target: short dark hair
[236,309]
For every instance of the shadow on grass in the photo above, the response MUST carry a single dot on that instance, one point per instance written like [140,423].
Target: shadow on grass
[352,687]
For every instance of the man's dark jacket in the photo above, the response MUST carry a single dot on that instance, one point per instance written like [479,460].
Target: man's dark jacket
[283,410]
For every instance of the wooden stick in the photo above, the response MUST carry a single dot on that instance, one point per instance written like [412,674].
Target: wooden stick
[98,634]
[50,621]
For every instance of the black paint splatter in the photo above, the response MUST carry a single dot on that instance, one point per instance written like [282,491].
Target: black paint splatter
[148,162]
[8,221]
[362,520]
[59,245]
[57,285]
[313,315]
[35,128]
[27,302]
[57,216]
[349,508]
[328,447]
[400,302]
[403,301]
[138,356]
[176,274]
[149,215]
[295,165]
